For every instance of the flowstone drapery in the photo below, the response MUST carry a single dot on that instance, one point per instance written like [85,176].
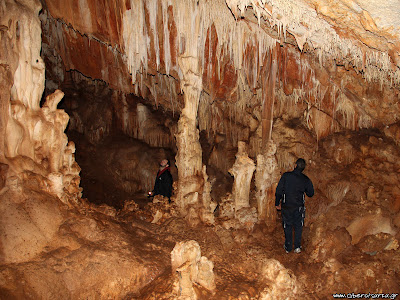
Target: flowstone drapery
[266,179]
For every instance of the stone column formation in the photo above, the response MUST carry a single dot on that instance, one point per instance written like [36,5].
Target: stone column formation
[189,156]
[266,179]
[242,170]
[191,185]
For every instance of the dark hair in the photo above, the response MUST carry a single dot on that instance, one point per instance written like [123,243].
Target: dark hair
[300,164]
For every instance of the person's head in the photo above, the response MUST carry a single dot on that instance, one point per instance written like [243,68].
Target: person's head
[164,163]
[300,164]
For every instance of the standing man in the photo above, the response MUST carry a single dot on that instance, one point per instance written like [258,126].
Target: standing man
[163,183]
[289,197]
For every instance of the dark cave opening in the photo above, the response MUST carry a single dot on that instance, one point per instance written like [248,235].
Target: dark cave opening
[117,161]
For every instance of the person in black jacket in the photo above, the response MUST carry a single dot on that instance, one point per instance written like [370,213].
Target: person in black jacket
[163,183]
[289,198]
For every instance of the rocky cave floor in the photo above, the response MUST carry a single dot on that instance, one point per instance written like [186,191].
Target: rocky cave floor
[239,254]
[99,251]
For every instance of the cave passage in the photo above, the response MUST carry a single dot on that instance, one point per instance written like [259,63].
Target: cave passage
[117,162]
[232,94]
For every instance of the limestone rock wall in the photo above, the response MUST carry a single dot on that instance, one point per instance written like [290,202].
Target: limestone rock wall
[362,211]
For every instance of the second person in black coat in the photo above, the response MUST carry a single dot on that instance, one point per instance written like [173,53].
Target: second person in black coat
[163,183]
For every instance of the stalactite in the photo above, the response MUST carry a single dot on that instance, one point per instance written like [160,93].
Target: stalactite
[306,26]
[346,108]
[135,38]
[208,13]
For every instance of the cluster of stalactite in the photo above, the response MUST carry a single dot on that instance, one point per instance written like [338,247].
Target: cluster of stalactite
[236,52]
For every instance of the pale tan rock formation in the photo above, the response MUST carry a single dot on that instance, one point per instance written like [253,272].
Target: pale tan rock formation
[188,159]
[281,282]
[236,206]
[193,189]
[208,204]
[34,136]
[370,224]
[192,268]
[242,170]
[266,179]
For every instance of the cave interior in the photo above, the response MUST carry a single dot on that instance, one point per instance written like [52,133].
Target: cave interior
[94,94]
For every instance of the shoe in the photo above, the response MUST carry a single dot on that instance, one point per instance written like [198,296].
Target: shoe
[285,249]
[297,250]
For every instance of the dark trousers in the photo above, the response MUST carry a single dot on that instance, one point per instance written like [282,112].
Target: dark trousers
[293,218]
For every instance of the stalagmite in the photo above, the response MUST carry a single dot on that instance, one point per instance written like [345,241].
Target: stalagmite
[242,170]
[209,205]
[371,224]
[39,135]
[266,179]
[192,268]
[244,215]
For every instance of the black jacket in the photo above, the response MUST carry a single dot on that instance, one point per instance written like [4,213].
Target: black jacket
[163,184]
[291,189]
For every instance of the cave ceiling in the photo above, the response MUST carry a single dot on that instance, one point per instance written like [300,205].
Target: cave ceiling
[335,64]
